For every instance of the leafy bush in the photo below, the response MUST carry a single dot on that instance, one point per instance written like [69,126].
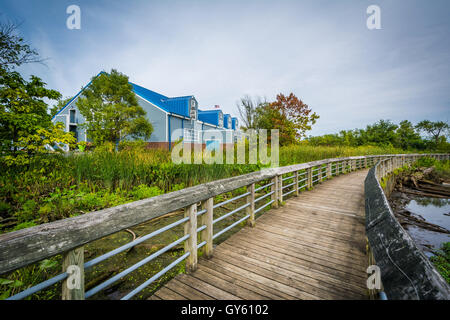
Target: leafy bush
[442,261]
[143,191]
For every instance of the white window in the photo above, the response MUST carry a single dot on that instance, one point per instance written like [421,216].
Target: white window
[220,120]
[193,110]
[191,135]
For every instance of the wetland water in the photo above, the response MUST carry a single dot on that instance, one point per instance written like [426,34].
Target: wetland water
[433,210]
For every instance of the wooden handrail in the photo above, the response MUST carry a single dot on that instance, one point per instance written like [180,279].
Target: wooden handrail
[23,247]
[406,272]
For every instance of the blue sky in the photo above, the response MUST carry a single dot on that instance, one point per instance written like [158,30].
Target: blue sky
[220,51]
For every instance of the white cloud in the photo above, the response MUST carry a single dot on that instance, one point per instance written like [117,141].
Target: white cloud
[220,51]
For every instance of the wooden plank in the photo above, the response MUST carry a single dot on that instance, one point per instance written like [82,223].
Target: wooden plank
[338,225]
[326,266]
[207,234]
[166,294]
[351,236]
[307,249]
[189,292]
[206,288]
[263,278]
[251,208]
[235,279]
[296,279]
[236,290]
[295,211]
[257,283]
[287,262]
[283,282]
[345,249]
[190,245]
[355,232]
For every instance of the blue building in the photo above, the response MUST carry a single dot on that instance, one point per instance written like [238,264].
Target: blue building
[173,118]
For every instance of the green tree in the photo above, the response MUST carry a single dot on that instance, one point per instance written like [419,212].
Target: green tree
[112,111]
[25,125]
[407,136]
[436,130]
[382,133]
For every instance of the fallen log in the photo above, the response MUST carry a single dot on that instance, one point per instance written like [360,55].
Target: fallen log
[410,219]
[431,189]
[422,194]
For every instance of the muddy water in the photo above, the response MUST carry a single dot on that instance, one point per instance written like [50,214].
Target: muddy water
[433,210]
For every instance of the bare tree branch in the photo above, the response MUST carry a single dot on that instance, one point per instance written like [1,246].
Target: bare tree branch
[13,49]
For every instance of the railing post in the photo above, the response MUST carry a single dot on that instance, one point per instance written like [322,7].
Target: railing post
[296,183]
[274,189]
[73,264]
[190,245]
[309,178]
[207,234]
[354,168]
[251,208]
[280,188]
[329,174]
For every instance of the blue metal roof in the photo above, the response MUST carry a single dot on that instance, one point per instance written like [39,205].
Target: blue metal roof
[209,116]
[234,122]
[227,121]
[177,105]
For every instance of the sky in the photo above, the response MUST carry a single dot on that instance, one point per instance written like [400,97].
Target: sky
[219,51]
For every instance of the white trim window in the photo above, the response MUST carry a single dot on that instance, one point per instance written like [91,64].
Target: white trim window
[193,109]
[191,135]
[220,120]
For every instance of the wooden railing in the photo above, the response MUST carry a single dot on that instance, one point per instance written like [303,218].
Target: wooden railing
[406,273]
[67,237]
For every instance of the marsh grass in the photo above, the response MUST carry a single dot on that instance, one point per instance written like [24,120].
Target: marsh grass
[56,186]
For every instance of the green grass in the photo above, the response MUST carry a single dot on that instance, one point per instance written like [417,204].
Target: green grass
[442,261]
[54,187]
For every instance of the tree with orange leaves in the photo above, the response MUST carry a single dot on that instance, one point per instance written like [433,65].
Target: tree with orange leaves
[289,115]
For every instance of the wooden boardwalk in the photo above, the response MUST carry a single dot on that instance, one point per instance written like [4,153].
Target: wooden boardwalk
[313,247]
